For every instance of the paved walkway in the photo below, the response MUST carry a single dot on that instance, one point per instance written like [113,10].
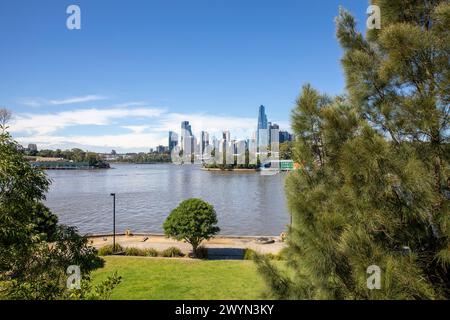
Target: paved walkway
[219,244]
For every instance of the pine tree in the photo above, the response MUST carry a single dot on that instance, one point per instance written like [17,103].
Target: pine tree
[374,185]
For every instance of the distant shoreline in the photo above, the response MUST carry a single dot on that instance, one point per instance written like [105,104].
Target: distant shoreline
[230,170]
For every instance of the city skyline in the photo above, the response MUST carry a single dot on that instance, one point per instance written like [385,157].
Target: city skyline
[66,89]
[265,133]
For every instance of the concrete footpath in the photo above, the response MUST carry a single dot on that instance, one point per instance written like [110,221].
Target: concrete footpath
[225,246]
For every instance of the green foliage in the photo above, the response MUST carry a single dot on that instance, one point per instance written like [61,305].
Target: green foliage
[151,252]
[250,254]
[101,291]
[286,150]
[108,249]
[75,155]
[192,221]
[34,250]
[137,252]
[374,189]
[172,252]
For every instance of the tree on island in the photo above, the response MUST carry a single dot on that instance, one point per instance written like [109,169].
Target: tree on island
[193,221]
[374,190]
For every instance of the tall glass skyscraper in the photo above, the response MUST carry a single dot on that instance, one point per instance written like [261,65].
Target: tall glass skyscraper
[262,132]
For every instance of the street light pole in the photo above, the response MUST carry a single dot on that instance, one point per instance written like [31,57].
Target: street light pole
[114,222]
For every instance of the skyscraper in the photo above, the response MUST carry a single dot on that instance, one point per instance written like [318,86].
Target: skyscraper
[205,140]
[185,126]
[173,140]
[187,139]
[285,136]
[274,133]
[226,136]
[262,132]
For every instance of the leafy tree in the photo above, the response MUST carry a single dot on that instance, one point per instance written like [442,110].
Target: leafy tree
[193,221]
[286,150]
[374,188]
[34,250]
[5,117]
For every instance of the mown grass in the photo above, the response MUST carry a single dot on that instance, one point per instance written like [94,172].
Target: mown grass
[184,279]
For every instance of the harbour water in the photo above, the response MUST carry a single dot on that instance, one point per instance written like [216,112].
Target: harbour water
[246,203]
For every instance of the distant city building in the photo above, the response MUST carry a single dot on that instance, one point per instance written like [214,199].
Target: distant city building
[285,136]
[173,140]
[161,149]
[226,136]
[205,140]
[262,134]
[187,139]
[274,133]
[32,147]
[185,126]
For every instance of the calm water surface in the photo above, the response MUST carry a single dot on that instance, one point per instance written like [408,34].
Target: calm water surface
[246,203]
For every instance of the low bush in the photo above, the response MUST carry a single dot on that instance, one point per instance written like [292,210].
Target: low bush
[135,252]
[151,252]
[108,250]
[249,254]
[172,252]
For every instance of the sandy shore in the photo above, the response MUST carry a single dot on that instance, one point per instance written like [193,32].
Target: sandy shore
[160,242]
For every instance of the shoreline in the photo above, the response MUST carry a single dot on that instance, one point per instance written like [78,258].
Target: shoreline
[230,170]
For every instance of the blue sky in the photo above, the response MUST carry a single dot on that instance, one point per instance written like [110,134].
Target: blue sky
[137,68]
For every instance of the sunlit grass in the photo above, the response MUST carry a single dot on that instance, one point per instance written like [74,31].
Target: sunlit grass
[184,279]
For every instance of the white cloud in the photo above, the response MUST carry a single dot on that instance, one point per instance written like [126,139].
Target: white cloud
[41,124]
[136,129]
[37,102]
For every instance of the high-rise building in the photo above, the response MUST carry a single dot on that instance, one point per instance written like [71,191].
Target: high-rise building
[173,140]
[285,136]
[32,147]
[262,118]
[226,136]
[274,133]
[205,140]
[185,126]
[262,132]
[187,139]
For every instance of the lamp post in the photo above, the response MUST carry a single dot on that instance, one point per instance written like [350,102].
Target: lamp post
[114,222]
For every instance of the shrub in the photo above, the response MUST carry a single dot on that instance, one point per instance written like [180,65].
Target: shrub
[172,252]
[151,252]
[249,254]
[135,252]
[108,250]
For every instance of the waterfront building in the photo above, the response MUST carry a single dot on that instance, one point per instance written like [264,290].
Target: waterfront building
[32,147]
[173,140]
[204,140]
[226,136]
[187,138]
[185,126]
[262,134]
[161,149]
[285,136]
[274,136]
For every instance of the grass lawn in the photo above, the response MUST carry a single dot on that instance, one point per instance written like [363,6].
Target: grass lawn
[184,279]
